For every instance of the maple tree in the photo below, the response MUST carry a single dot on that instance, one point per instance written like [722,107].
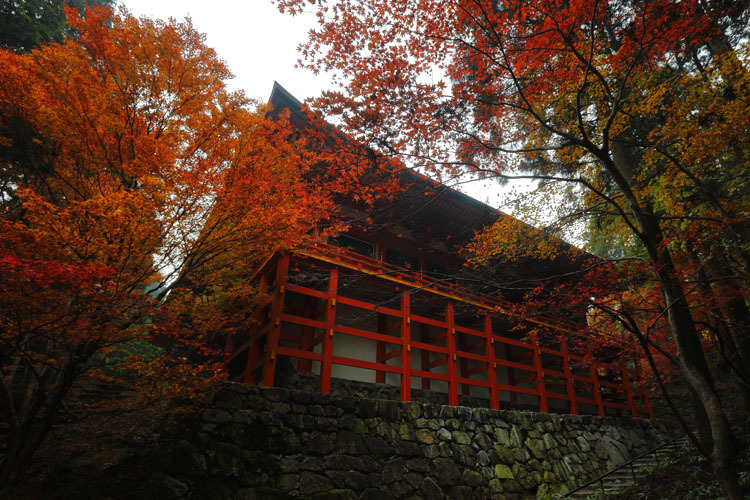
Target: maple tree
[637,109]
[132,183]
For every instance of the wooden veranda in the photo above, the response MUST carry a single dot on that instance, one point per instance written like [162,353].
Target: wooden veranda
[431,344]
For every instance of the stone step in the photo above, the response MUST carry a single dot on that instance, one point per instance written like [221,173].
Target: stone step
[618,481]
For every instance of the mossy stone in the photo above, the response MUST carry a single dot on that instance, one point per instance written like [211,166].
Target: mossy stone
[472,478]
[549,441]
[502,471]
[502,436]
[516,436]
[358,426]
[549,491]
[412,410]
[406,432]
[384,429]
[536,447]
[424,436]
[181,457]
[432,451]
[227,459]
[283,440]
[461,437]
[496,486]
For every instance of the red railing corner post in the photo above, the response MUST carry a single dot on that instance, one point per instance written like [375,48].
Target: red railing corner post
[644,391]
[425,355]
[491,364]
[541,388]
[628,390]
[274,332]
[597,389]
[569,382]
[380,349]
[330,325]
[405,348]
[451,361]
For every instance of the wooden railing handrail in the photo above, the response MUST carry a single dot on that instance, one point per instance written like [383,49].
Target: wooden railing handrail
[418,280]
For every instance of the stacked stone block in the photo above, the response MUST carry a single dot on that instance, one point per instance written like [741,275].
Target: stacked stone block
[281,443]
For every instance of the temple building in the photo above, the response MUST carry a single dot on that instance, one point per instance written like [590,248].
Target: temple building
[389,305]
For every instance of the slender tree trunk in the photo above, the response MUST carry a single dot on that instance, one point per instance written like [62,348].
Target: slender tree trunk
[732,322]
[693,365]
[34,425]
[690,356]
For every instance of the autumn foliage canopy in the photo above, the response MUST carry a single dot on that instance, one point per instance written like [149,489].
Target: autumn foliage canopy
[136,191]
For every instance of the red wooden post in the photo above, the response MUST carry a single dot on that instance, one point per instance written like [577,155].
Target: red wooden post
[628,389]
[330,323]
[424,332]
[597,389]
[543,405]
[451,362]
[511,372]
[569,382]
[254,349]
[405,348]
[272,344]
[464,364]
[381,346]
[307,334]
[491,365]
[252,359]
[644,391]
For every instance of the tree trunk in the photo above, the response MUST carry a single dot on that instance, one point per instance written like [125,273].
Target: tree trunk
[693,364]
[690,356]
[34,426]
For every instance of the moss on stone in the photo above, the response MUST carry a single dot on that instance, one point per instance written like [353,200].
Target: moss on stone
[461,437]
[283,440]
[358,426]
[425,436]
[227,459]
[406,432]
[536,447]
[548,491]
[503,472]
[412,410]
[496,486]
[503,437]
[384,429]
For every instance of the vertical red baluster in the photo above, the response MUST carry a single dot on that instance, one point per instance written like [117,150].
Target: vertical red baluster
[491,375]
[451,341]
[405,349]
[272,344]
[330,324]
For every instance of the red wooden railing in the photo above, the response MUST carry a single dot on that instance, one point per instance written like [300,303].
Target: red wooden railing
[604,385]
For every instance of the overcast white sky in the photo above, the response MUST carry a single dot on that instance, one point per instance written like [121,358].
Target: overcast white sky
[259,45]
[257,42]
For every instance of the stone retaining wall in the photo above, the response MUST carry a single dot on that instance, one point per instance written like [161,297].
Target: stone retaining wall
[255,443]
